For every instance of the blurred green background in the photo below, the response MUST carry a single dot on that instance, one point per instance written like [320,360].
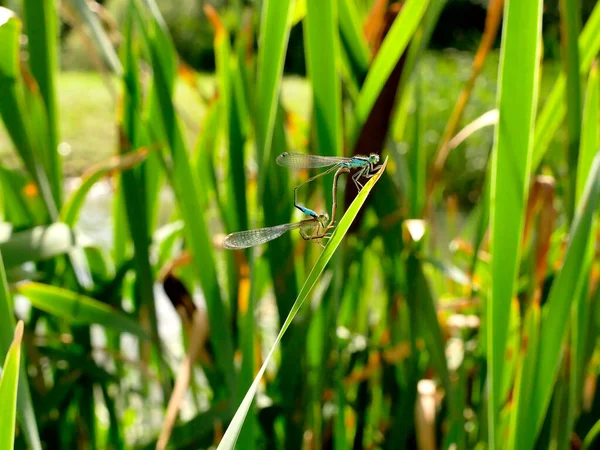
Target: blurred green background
[455,305]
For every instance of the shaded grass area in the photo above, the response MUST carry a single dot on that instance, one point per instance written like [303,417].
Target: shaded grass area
[88,112]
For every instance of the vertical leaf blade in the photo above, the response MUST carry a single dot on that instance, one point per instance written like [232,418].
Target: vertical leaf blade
[562,296]
[25,412]
[517,102]
[273,39]
[553,112]
[391,49]
[322,52]
[41,21]
[569,11]
[9,381]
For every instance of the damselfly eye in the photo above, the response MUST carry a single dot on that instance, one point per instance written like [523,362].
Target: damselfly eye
[374,158]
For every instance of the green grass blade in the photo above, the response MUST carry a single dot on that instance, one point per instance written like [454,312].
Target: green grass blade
[187,194]
[41,22]
[353,37]
[590,132]
[25,412]
[78,308]
[322,59]
[39,243]
[553,112]
[580,326]
[9,381]
[513,143]
[592,436]
[561,297]
[235,215]
[99,36]
[13,107]
[231,435]
[393,46]
[570,25]
[70,210]
[273,40]
[521,424]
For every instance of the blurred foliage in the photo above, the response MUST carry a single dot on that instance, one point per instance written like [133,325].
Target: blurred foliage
[419,325]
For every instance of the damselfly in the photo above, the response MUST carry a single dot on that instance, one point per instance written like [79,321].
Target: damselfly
[309,229]
[316,227]
[365,166]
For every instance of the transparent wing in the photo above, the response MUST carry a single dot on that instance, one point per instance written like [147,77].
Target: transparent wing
[302,161]
[250,238]
[309,227]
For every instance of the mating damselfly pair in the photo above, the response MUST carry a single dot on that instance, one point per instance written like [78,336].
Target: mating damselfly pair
[317,226]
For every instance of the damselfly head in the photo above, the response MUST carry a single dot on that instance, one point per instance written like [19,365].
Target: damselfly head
[374,158]
[323,219]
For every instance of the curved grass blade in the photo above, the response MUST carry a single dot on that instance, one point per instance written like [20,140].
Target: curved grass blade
[9,381]
[392,48]
[591,437]
[78,308]
[25,412]
[231,435]
[70,210]
[513,145]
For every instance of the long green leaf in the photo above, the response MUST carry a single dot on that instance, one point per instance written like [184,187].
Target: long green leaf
[14,107]
[69,212]
[554,109]
[322,57]
[520,436]
[569,14]
[590,132]
[513,143]
[393,46]
[188,197]
[235,215]
[580,327]
[562,297]
[592,436]
[78,308]
[25,412]
[41,22]
[9,381]
[98,34]
[135,188]
[353,37]
[231,435]
[273,40]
